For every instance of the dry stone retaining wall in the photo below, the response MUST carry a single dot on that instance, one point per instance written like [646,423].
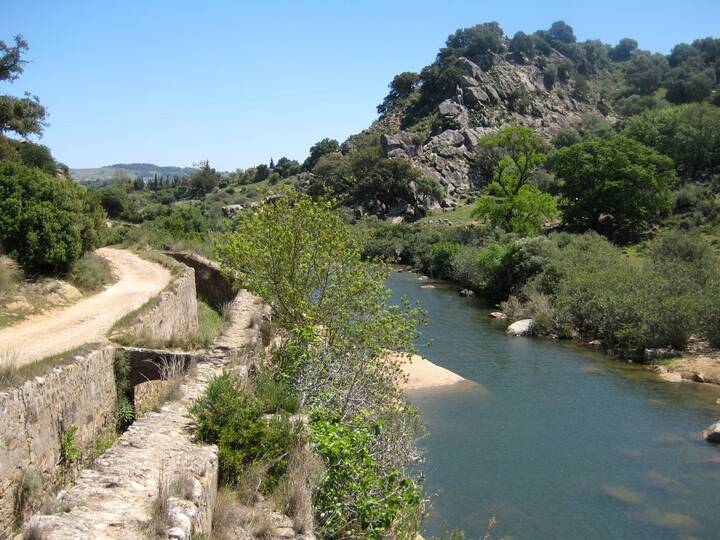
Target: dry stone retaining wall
[35,416]
[210,282]
[172,314]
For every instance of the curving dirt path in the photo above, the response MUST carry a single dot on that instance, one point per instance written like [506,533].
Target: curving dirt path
[88,320]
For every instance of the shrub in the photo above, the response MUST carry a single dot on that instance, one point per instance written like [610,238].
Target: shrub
[46,223]
[91,273]
[357,497]
[232,418]
[69,452]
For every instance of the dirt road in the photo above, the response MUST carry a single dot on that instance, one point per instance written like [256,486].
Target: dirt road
[88,320]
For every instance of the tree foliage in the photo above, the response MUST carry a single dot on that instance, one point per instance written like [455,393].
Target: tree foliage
[24,116]
[617,186]
[46,223]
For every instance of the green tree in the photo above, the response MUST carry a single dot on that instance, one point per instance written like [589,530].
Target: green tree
[401,87]
[46,223]
[689,134]
[204,180]
[326,146]
[623,50]
[24,116]
[617,186]
[511,201]
[522,44]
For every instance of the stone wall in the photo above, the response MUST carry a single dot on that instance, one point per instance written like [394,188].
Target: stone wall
[79,393]
[171,314]
[210,282]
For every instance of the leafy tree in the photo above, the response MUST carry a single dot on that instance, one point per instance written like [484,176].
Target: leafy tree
[617,186]
[204,180]
[262,172]
[287,167]
[689,134]
[562,32]
[24,116]
[686,84]
[475,42]
[401,87]
[623,50]
[326,146]
[512,202]
[645,72]
[522,44]
[46,223]
[185,221]
[115,201]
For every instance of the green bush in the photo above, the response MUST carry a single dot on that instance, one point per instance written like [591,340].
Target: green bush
[46,223]
[357,498]
[231,415]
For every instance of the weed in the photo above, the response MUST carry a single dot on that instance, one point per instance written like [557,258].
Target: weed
[69,452]
[224,515]
[91,273]
[159,513]
[26,492]
[33,532]
[9,375]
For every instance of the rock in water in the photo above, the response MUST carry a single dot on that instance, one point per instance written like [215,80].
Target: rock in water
[522,327]
[466,293]
[712,434]
[498,315]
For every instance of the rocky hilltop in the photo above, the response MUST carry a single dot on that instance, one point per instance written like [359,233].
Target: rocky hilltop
[510,92]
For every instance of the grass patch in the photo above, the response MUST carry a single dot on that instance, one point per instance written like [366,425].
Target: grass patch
[91,273]
[460,215]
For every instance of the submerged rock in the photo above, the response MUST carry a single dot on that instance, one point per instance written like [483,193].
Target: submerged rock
[712,434]
[498,315]
[466,293]
[522,327]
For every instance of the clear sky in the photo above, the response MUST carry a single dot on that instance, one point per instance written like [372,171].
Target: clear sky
[175,82]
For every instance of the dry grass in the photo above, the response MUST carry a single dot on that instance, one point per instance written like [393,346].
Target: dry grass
[293,495]
[33,532]
[9,360]
[224,516]
[249,483]
[160,510]
[183,486]
[173,371]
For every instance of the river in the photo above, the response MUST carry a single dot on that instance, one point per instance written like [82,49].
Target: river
[556,441]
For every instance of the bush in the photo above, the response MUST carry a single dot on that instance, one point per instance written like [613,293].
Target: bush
[230,416]
[46,223]
[357,497]
[91,273]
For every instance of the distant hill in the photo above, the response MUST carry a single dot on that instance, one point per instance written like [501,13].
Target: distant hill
[133,170]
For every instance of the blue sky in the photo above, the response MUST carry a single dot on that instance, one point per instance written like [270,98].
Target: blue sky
[173,82]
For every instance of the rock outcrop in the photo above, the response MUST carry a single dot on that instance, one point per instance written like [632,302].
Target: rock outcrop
[507,93]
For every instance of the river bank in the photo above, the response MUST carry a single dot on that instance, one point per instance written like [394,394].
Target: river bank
[699,363]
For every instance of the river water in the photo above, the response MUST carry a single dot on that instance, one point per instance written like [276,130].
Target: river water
[556,441]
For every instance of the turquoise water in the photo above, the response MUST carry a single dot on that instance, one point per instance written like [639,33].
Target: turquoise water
[556,441]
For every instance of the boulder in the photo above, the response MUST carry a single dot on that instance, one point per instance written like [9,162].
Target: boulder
[712,433]
[498,315]
[475,96]
[522,327]
[401,144]
[671,377]
[595,343]
[699,376]
[454,115]
[466,293]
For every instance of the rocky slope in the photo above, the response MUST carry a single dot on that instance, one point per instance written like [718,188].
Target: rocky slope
[511,92]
